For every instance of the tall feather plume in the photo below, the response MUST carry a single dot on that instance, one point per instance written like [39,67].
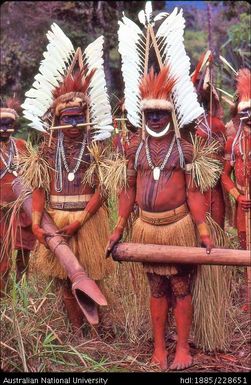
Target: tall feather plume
[148,11]
[157,86]
[100,108]
[52,69]
[244,84]
[170,41]
[131,48]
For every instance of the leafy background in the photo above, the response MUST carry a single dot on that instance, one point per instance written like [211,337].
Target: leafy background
[24,25]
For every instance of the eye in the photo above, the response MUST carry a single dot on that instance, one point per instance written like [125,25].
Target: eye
[80,119]
[66,119]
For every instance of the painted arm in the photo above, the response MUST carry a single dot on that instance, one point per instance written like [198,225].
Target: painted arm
[91,208]
[38,205]
[126,202]
[197,205]
[231,189]
[228,183]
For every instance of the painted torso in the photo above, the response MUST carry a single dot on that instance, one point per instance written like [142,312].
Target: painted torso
[72,150]
[241,168]
[7,194]
[169,191]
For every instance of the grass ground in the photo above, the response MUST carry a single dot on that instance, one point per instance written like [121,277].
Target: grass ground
[36,335]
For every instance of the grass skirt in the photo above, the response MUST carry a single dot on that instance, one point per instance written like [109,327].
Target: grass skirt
[180,233]
[212,299]
[88,245]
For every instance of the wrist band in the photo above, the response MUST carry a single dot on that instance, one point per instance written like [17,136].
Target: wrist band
[203,229]
[235,193]
[121,223]
[36,217]
[85,217]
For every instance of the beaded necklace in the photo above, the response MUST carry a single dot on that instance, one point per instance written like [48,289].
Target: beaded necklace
[157,169]
[60,160]
[13,152]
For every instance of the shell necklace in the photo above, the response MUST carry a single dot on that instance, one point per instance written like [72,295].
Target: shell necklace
[157,169]
[13,152]
[60,156]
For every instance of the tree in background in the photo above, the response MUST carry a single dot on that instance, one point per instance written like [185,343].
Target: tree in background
[24,25]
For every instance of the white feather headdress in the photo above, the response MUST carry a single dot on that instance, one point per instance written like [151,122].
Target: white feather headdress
[171,52]
[59,58]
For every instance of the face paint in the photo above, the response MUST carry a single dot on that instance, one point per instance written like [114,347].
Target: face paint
[72,120]
[6,129]
[245,116]
[158,122]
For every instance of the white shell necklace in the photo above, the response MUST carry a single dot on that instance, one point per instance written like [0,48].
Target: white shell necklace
[13,152]
[60,156]
[157,169]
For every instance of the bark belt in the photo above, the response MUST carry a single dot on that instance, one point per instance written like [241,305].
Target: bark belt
[164,217]
[68,202]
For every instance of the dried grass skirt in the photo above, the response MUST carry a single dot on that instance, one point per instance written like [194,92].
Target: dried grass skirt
[88,245]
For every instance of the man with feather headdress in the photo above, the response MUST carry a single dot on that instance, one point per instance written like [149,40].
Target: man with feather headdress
[207,95]
[238,160]
[15,230]
[162,169]
[70,94]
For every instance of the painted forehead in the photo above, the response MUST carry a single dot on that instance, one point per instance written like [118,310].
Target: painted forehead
[71,111]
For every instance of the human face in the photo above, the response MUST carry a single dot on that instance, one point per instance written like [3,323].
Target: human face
[245,116]
[72,120]
[6,129]
[158,120]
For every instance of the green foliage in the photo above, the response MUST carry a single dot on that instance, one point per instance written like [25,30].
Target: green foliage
[196,44]
[240,34]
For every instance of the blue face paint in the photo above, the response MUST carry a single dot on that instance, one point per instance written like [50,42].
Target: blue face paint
[72,120]
[6,124]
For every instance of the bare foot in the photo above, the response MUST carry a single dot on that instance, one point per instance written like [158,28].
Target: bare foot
[160,358]
[182,359]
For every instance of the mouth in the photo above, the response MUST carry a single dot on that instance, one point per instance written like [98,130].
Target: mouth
[74,130]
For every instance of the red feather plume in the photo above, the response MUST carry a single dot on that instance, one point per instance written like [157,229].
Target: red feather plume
[244,84]
[157,86]
[74,83]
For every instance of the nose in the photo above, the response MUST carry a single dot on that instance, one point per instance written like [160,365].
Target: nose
[74,122]
[155,118]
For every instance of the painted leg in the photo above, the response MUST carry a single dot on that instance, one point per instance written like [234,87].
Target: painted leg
[22,262]
[73,310]
[183,316]
[159,311]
